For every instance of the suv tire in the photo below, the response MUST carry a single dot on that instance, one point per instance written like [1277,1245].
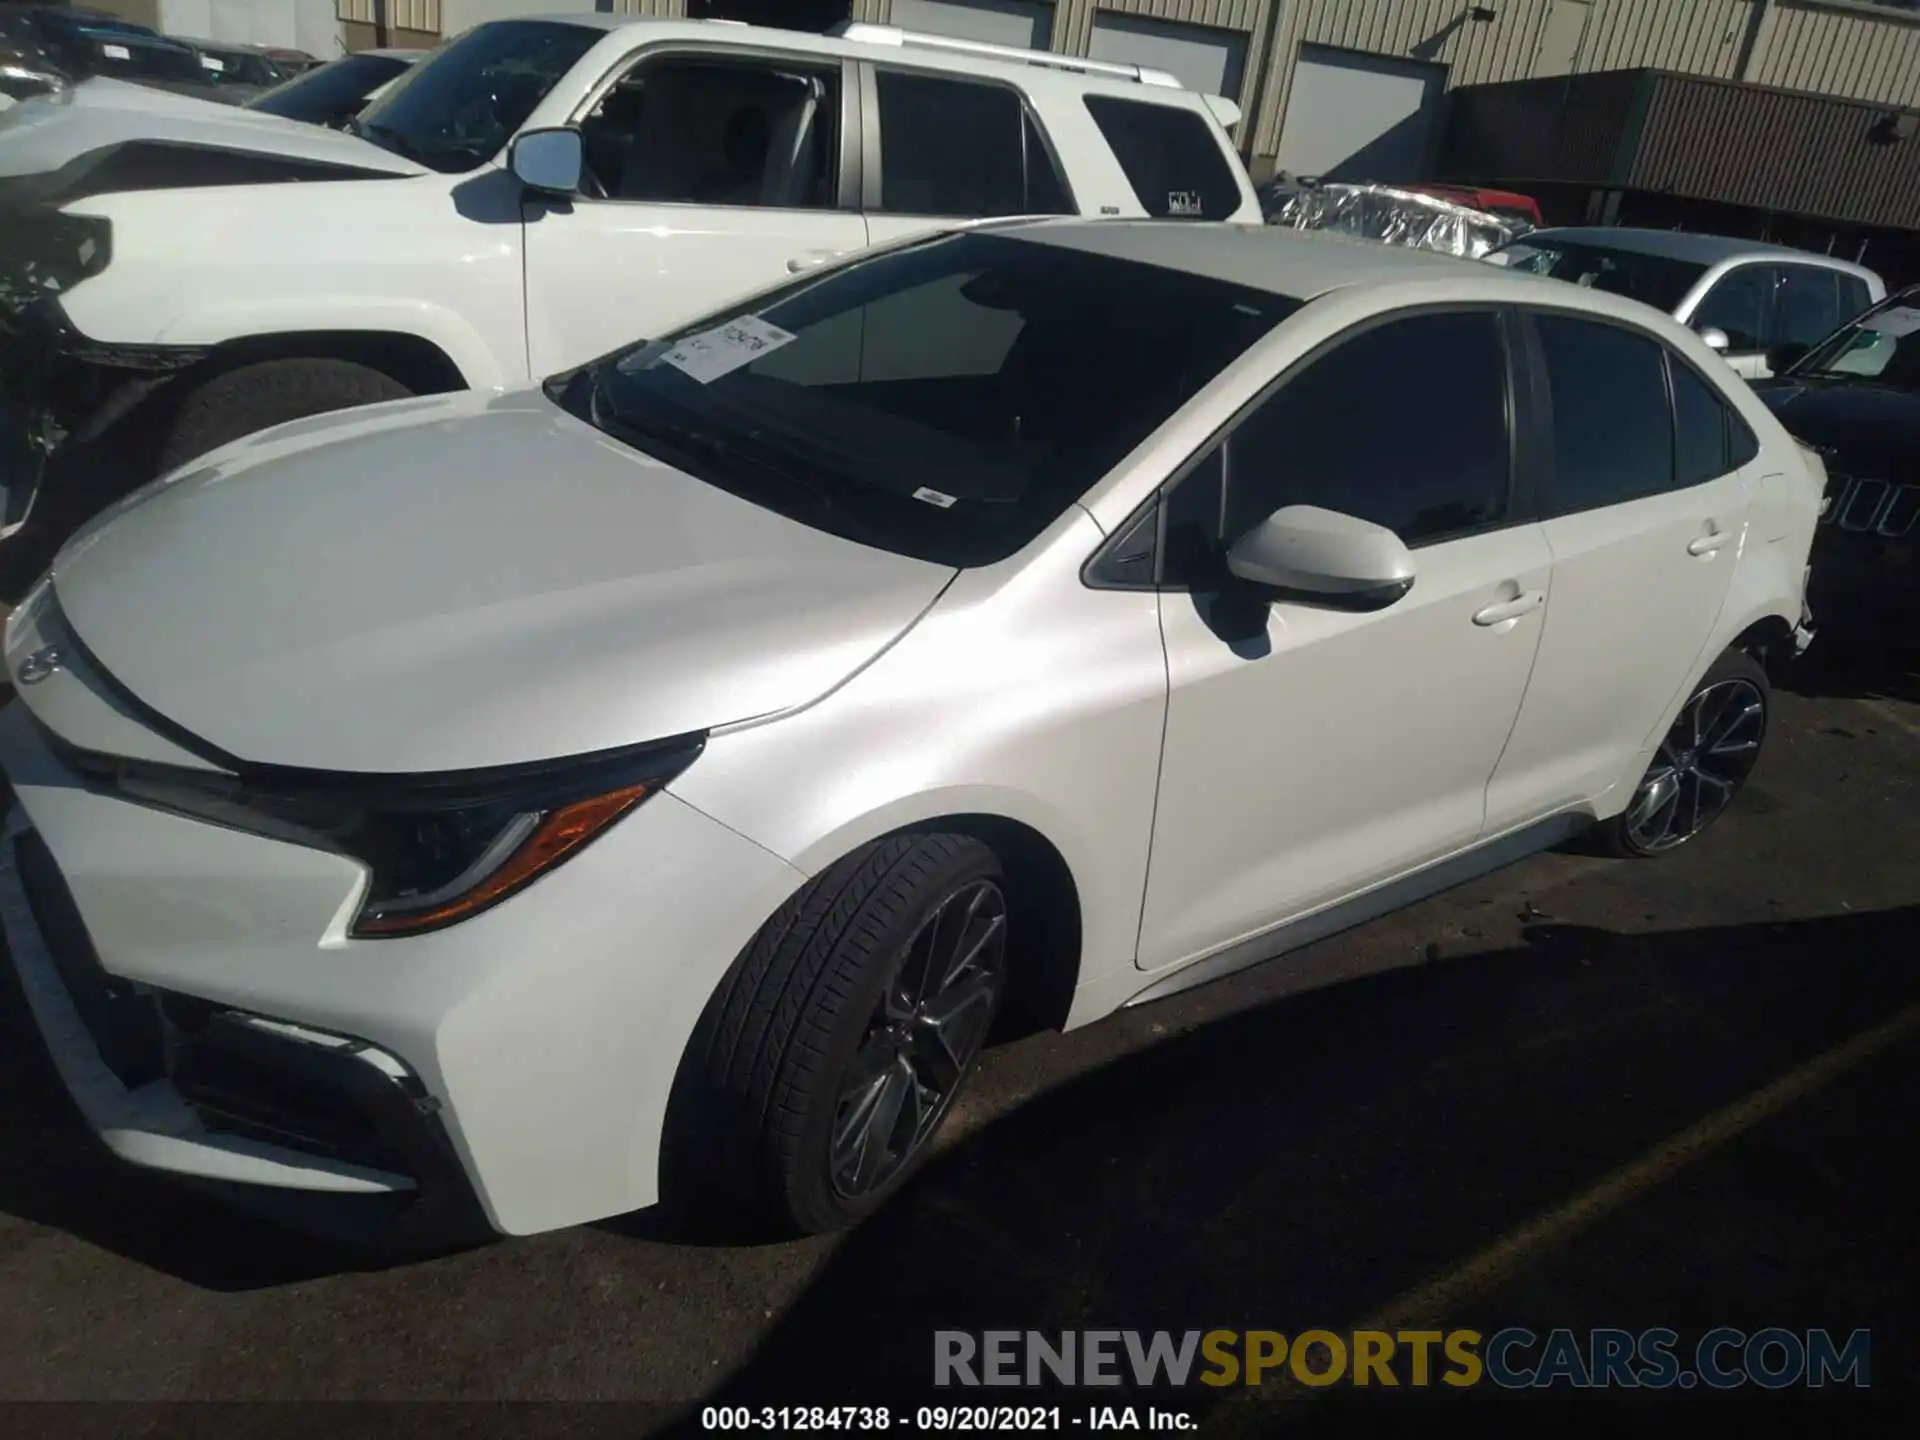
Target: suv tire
[252,398]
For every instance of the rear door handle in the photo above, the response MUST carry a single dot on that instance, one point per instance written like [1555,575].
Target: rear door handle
[1510,609]
[1707,544]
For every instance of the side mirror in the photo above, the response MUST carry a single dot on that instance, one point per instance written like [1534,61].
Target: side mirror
[1715,338]
[1321,555]
[1782,357]
[550,161]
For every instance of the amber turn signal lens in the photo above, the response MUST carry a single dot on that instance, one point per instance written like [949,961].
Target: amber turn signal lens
[561,832]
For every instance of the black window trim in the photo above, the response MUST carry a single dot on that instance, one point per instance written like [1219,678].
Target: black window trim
[867,192]
[1523,415]
[847,185]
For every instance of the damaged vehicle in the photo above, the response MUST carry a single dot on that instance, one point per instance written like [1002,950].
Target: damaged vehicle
[1392,216]
[529,195]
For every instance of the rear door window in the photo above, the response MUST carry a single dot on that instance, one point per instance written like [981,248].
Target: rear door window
[1170,156]
[960,148]
[1613,437]
[1703,427]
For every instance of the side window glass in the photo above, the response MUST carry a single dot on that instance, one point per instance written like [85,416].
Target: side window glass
[1741,303]
[1854,296]
[950,147]
[695,131]
[1170,156]
[1191,554]
[1612,428]
[1700,427]
[1809,305]
[1405,425]
[1046,191]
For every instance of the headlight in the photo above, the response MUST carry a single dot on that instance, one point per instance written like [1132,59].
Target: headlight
[440,849]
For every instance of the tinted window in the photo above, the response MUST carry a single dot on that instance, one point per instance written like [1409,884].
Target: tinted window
[1651,279]
[1809,305]
[1854,296]
[457,108]
[1612,430]
[1699,427]
[1171,158]
[1404,425]
[950,147]
[948,400]
[1740,303]
[717,132]
[331,93]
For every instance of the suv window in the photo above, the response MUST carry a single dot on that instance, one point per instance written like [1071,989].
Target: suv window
[1740,303]
[1652,279]
[1612,429]
[961,148]
[709,131]
[1854,296]
[1171,158]
[1809,305]
[1405,425]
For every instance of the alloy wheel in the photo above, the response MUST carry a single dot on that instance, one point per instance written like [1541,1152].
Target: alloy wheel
[925,1032]
[1703,761]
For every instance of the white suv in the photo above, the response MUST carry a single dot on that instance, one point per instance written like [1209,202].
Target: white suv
[187,277]
[666,779]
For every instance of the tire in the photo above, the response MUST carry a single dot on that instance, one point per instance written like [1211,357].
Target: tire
[807,1029]
[242,402]
[1701,765]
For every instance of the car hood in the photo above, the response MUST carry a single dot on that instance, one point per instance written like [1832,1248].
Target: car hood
[1852,417]
[42,136]
[461,582]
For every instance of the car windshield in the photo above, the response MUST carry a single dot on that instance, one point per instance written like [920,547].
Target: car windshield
[125,56]
[332,92]
[237,67]
[1882,347]
[1654,279]
[946,401]
[458,108]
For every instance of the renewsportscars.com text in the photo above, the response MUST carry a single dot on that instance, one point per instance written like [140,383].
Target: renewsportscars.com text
[1512,1358]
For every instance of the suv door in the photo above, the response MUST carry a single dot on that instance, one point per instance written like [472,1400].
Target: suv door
[1646,519]
[709,173]
[1741,303]
[939,148]
[1312,752]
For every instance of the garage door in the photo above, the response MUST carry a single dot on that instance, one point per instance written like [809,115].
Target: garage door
[1360,117]
[1025,23]
[1202,57]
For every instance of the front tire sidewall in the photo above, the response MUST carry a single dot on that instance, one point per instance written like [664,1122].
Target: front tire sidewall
[811,1197]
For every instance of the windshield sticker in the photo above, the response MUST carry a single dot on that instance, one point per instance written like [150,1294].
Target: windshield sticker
[116,52]
[713,353]
[1185,202]
[1900,320]
[934,497]
[212,64]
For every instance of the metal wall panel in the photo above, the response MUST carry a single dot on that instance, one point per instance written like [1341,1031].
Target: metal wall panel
[401,14]
[1840,52]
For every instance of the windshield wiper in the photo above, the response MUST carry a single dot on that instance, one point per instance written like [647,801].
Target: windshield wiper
[693,440]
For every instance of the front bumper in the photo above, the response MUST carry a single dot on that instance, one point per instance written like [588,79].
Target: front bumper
[203,1004]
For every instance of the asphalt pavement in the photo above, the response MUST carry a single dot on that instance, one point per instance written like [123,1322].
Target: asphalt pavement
[1578,1093]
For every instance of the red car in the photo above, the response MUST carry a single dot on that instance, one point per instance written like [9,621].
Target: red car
[1504,203]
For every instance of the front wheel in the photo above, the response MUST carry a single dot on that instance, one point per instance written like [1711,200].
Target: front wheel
[252,398]
[1701,764]
[843,1035]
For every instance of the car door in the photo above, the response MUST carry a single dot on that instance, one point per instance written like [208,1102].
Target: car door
[1312,752]
[708,174]
[1646,521]
[1741,303]
[940,148]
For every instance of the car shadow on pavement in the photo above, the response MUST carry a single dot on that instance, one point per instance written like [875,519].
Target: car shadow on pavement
[1286,1166]
[1298,1165]
[1850,666]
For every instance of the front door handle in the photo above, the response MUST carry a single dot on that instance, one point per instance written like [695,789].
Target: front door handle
[1513,609]
[1707,544]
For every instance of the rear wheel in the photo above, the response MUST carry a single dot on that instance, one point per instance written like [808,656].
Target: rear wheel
[840,1040]
[1702,762]
[252,398]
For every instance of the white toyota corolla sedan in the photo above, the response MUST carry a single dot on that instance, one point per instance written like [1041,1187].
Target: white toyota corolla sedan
[661,783]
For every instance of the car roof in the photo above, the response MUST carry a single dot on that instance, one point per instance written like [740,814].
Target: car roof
[1299,263]
[1681,245]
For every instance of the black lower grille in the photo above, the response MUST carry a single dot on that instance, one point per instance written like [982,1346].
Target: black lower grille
[123,1019]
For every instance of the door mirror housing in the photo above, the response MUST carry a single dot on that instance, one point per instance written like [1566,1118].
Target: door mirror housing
[1324,557]
[550,161]
[1782,357]
[1715,338]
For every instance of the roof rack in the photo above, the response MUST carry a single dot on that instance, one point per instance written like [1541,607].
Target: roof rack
[917,40]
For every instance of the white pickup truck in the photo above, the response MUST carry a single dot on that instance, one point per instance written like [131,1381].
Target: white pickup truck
[533,195]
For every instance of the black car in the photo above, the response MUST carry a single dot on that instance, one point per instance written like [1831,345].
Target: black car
[1855,398]
[332,94]
[86,43]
